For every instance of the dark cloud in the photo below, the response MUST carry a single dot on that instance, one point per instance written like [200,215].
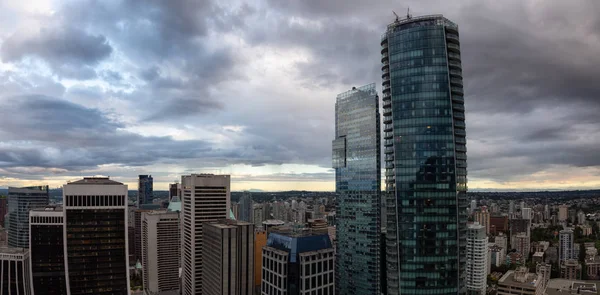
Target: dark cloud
[71,52]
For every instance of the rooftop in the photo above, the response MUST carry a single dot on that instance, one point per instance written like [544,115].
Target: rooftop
[95,180]
[521,278]
[10,250]
[564,287]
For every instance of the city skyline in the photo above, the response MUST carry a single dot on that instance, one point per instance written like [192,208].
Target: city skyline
[142,92]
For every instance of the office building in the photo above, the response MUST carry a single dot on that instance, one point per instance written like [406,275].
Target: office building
[174,191]
[425,154]
[3,209]
[356,160]
[205,198]
[260,240]
[160,252]
[46,251]
[96,236]
[246,211]
[520,282]
[563,213]
[15,272]
[483,217]
[570,270]
[137,215]
[297,263]
[477,259]
[20,202]
[229,255]
[565,245]
[145,190]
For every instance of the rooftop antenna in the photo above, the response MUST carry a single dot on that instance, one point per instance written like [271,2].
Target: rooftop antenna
[408,16]
[397,17]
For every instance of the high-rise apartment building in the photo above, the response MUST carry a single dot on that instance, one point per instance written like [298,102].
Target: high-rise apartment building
[205,198]
[229,255]
[145,190]
[356,159]
[425,154]
[473,205]
[527,213]
[298,263]
[246,209]
[20,202]
[15,276]
[483,217]
[46,250]
[258,216]
[565,245]
[522,244]
[137,237]
[160,252]
[477,259]
[563,213]
[96,236]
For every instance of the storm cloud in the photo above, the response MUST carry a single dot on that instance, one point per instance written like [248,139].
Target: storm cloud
[175,86]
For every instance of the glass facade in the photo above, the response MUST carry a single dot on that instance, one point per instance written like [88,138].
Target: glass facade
[145,189]
[47,256]
[425,157]
[96,241]
[20,202]
[356,157]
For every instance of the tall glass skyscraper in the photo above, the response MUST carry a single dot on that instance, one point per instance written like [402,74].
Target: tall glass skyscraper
[145,190]
[425,156]
[20,202]
[357,163]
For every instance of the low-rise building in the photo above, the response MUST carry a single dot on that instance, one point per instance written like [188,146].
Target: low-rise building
[571,287]
[520,282]
[592,264]
[538,257]
[514,258]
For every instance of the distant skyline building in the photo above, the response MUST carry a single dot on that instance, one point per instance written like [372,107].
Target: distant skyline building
[161,252]
[96,236]
[174,191]
[527,213]
[477,259]
[205,198]
[137,215]
[20,202]
[425,154]
[563,213]
[229,255]
[298,262]
[257,215]
[15,274]
[356,160]
[246,210]
[473,206]
[46,250]
[145,190]
[483,218]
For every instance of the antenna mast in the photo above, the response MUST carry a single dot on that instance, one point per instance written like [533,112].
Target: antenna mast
[408,16]
[397,17]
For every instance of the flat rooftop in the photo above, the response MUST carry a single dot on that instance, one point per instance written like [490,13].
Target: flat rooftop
[96,180]
[564,287]
[509,279]
[7,250]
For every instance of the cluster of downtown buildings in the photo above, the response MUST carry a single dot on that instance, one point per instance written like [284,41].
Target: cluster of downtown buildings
[409,238]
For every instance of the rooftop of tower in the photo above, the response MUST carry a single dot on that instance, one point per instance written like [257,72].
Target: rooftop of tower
[410,21]
[96,180]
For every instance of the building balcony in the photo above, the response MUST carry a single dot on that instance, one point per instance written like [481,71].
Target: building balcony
[451,29]
[386,82]
[386,89]
[452,55]
[389,165]
[461,148]
[385,65]
[387,97]
[453,47]
[388,142]
[459,124]
[460,132]
[458,98]
[457,90]
[388,128]
[458,115]
[385,58]
[456,73]
[389,157]
[384,49]
[384,39]
[456,81]
[385,75]
[389,172]
[454,64]
[389,150]
[387,111]
[387,104]
[387,120]
[453,38]
[458,107]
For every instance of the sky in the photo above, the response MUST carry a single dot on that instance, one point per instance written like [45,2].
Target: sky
[122,88]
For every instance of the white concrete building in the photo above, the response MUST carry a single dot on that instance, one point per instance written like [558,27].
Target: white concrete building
[14,271]
[477,259]
[91,204]
[563,213]
[527,213]
[522,244]
[206,197]
[565,245]
[160,252]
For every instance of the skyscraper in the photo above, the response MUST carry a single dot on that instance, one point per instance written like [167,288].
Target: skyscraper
[565,247]
[145,190]
[160,252]
[46,249]
[425,154]
[246,210]
[477,259]
[14,271]
[297,262]
[229,255]
[357,162]
[137,237]
[206,197]
[96,236]
[20,202]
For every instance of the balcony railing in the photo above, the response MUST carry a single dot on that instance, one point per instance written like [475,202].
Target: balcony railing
[455,64]
[454,47]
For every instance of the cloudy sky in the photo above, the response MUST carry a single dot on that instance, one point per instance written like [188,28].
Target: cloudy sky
[123,88]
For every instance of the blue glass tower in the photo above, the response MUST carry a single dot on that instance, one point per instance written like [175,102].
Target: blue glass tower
[145,190]
[357,163]
[425,157]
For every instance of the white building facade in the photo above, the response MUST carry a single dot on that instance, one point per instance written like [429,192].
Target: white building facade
[477,259]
